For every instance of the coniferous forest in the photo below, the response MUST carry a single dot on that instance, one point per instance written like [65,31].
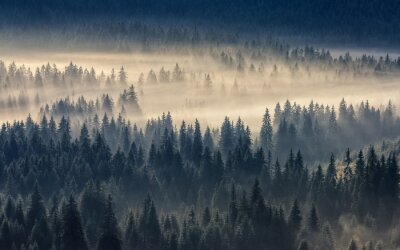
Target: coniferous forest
[199,125]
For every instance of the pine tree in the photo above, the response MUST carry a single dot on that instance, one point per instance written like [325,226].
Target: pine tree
[295,216]
[360,166]
[266,132]
[41,235]
[122,77]
[36,210]
[390,183]
[19,214]
[352,245]
[131,234]
[348,172]
[197,147]
[333,127]
[72,235]
[233,207]
[109,232]
[84,141]
[92,207]
[226,143]
[313,220]
[208,140]
[330,176]
[149,227]
[56,230]
[38,79]
[256,194]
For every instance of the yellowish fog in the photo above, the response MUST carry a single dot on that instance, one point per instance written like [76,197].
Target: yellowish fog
[187,100]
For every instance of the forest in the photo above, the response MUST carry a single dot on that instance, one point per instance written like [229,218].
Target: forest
[368,22]
[117,186]
[199,125]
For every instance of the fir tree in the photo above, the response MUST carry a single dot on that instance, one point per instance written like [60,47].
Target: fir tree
[109,232]
[72,235]
[266,132]
[295,216]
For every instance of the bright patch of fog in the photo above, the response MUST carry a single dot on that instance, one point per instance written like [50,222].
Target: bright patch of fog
[230,93]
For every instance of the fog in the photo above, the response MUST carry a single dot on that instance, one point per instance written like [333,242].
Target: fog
[230,92]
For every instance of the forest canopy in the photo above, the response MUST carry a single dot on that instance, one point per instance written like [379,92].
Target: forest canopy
[353,20]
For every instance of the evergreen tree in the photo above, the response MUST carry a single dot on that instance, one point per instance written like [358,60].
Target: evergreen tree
[208,140]
[348,172]
[352,245]
[197,147]
[149,227]
[36,209]
[226,143]
[256,193]
[41,235]
[72,235]
[131,234]
[122,77]
[313,220]
[330,177]
[109,232]
[295,216]
[233,207]
[266,132]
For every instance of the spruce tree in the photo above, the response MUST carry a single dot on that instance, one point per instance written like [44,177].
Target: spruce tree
[109,232]
[131,234]
[352,245]
[266,132]
[36,209]
[197,147]
[233,207]
[122,77]
[295,216]
[149,226]
[313,220]
[41,234]
[72,235]
[348,172]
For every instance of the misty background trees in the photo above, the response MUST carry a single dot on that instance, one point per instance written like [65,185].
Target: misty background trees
[356,21]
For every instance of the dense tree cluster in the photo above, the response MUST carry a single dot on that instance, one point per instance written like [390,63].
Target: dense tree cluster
[326,129]
[357,19]
[215,189]
[13,76]
[253,55]
[87,109]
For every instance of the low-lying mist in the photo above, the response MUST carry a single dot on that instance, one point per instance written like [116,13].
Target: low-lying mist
[207,84]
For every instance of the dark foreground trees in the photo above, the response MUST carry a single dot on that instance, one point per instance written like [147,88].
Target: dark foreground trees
[206,192]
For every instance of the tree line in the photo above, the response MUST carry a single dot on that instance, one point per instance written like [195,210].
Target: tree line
[357,20]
